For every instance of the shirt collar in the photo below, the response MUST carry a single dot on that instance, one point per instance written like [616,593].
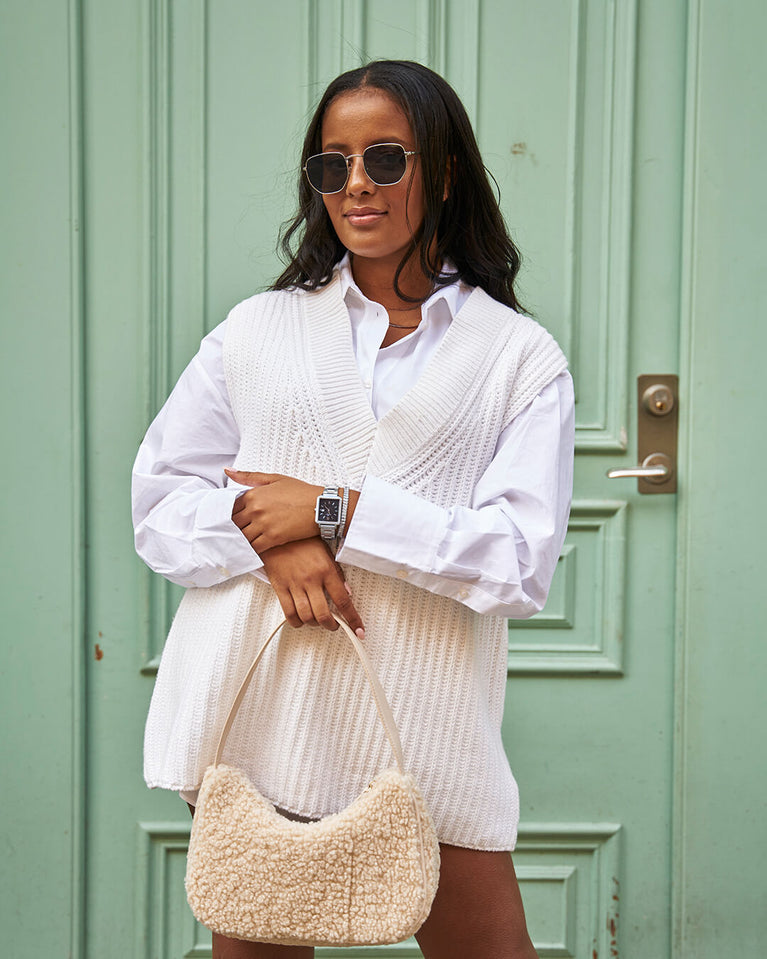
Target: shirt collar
[454,295]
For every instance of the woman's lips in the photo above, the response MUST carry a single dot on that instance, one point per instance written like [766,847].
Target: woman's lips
[364,216]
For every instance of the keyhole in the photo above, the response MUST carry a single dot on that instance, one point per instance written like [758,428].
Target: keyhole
[658,400]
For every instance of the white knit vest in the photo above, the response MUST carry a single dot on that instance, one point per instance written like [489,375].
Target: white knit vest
[307,733]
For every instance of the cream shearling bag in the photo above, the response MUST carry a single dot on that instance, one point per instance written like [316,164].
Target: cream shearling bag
[364,876]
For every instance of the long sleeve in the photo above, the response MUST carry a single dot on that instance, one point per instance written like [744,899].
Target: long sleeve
[181,509]
[499,555]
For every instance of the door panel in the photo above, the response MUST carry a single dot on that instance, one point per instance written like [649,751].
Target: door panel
[196,111]
[41,438]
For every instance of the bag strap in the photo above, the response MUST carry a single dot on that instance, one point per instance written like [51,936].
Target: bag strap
[382,705]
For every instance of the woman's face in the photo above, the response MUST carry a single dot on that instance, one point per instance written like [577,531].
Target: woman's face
[373,222]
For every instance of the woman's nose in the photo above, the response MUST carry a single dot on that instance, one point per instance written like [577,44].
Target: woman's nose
[359,181]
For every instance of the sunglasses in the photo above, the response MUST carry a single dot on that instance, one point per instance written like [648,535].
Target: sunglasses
[384,163]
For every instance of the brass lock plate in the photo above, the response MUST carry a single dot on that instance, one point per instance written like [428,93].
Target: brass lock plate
[658,427]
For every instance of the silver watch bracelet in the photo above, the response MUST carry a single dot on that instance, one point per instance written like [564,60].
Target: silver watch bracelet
[344,507]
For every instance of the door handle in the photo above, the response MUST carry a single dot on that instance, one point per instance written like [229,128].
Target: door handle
[657,428]
[655,468]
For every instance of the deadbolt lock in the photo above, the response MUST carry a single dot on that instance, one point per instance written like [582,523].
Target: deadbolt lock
[658,399]
[657,429]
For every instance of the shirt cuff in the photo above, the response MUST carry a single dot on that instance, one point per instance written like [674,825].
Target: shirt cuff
[393,532]
[397,533]
[218,541]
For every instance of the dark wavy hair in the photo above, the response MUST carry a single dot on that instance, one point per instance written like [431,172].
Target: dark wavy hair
[467,228]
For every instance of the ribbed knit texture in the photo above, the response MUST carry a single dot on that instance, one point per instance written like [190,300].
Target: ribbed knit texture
[307,733]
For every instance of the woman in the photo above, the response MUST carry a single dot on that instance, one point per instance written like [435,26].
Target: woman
[388,367]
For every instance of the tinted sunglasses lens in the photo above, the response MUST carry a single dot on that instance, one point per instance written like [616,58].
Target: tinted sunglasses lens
[327,172]
[385,163]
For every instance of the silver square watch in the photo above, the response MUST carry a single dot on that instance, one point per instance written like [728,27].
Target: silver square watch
[327,513]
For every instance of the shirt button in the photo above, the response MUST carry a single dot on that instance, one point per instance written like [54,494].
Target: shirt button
[401,574]
[368,384]
[463,594]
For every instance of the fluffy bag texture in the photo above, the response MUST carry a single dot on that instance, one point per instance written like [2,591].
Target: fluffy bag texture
[364,876]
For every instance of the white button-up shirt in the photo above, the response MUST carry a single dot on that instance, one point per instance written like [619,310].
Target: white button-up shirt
[496,556]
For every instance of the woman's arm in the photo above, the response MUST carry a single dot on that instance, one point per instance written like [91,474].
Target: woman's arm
[497,556]
[181,509]
[279,509]
[182,512]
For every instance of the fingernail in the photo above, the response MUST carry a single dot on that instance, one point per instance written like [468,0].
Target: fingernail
[348,588]
[359,633]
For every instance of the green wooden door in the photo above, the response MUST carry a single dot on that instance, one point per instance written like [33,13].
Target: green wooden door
[152,161]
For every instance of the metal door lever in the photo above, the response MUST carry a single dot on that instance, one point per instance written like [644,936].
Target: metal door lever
[655,468]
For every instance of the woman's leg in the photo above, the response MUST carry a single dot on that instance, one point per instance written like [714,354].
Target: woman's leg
[224,948]
[477,911]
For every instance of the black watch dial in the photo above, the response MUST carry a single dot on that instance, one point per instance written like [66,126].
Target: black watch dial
[328,510]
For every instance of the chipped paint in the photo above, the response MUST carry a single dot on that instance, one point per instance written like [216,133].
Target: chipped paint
[613,914]
[99,651]
[520,149]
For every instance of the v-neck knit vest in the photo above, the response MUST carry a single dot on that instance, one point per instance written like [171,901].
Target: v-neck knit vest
[307,733]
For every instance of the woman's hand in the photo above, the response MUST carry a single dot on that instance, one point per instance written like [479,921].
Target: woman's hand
[304,576]
[276,510]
